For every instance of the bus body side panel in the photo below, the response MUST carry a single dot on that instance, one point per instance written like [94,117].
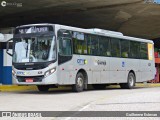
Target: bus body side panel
[117,70]
[100,69]
[66,73]
[105,78]
[84,62]
[134,65]
[146,67]
[68,70]
[97,69]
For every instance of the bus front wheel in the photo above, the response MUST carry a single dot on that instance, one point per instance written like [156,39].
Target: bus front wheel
[43,88]
[79,83]
[130,82]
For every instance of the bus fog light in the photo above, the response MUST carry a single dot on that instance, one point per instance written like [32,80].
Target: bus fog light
[47,73]
[13,73]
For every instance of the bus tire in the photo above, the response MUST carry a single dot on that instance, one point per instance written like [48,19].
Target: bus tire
[99,86]
[79,83]
[43,88]
[130,82]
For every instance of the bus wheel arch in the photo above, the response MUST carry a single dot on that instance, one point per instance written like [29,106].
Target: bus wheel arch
[81,78]
[131,80]
[132,71]
[85,77]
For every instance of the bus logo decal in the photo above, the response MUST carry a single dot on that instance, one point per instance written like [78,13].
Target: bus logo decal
[81,61]
[100,62]
[123,64]
[22,73]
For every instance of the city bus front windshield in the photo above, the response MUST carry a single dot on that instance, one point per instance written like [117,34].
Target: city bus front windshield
[34,49]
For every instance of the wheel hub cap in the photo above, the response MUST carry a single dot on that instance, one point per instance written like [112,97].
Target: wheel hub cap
[80,82]
[131,80]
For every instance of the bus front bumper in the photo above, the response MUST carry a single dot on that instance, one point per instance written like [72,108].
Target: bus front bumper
[35,80]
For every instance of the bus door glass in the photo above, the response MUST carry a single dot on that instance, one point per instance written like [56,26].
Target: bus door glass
[65,55]
[65,46]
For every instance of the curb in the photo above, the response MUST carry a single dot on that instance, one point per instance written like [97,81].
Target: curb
[11,88]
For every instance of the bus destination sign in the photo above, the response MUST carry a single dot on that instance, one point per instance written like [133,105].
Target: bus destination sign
[33,29]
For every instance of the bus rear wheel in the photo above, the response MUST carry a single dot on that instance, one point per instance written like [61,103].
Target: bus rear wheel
[130,82]
[79,83]
[99,86]
[43,88]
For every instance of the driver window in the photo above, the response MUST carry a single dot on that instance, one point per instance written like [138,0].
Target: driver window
[65,46]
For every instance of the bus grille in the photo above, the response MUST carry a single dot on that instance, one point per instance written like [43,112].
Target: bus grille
[35,78]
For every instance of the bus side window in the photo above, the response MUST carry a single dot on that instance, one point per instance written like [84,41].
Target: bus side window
[134,50]
[115,47]
[104,46]
[125,48]
[65,44]
[93,44]
[79,43]
[144,51]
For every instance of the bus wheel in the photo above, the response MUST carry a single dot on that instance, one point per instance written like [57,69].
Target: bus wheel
[43,88]
[99,86]
[130,82]
[79,85]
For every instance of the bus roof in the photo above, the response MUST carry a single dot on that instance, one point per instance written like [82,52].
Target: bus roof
[95,31]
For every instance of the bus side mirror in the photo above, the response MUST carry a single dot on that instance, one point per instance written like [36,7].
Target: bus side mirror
[1,37]
[9,45]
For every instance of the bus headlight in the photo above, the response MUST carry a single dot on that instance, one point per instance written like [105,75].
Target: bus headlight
[47,73]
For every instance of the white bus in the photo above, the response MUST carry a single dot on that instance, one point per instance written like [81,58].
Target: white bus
[49,55]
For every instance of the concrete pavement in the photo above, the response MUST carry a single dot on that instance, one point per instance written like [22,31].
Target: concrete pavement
[111,99]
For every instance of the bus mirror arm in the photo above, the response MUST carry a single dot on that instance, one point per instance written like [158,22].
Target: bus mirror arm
[9,53]
[7,47]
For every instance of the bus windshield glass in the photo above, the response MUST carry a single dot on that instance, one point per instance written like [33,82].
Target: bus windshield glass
[34,49]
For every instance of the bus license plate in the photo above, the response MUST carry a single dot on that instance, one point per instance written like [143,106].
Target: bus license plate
[29,80]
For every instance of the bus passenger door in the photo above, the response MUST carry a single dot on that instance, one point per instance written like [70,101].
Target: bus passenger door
[64,56]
